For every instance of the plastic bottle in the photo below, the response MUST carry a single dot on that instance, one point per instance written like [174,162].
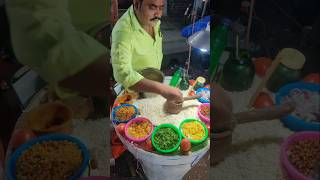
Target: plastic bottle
[184,83]
[199,83]
[288,71]
[175,78]
[218,42]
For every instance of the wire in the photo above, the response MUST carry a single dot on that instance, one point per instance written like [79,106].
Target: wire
[264,27]
[204,8]
[286,14]
[249,25]
[190,48]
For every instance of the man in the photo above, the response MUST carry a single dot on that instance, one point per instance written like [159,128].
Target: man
[136,45]
[55,38]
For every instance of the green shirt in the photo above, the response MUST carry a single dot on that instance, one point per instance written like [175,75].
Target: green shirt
[133,49]
[50,36]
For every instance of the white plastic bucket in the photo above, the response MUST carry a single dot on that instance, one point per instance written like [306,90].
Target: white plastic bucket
[164,167]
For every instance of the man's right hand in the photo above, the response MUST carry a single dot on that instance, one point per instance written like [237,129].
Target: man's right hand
[168,92]
[171,93]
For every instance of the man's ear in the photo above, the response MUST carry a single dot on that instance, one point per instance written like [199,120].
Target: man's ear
[136,4]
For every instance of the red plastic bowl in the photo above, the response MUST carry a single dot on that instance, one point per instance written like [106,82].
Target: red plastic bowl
[137,119]
[201,116]
[288,169]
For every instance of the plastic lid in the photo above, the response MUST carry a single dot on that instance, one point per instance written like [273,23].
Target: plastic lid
[178,71]
[292,58]
[201,79]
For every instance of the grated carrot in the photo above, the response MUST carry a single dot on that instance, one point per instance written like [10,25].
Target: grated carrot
[139,129]
[193,130]
[125,113]
[205,110]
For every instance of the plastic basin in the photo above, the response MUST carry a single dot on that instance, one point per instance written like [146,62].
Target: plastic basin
[137,120]
[195,142]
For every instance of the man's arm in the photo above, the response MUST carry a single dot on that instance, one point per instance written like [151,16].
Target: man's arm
[45,39]
[146,85]
[121,55]
[92,80]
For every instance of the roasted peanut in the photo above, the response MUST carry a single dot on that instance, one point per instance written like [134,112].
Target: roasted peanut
[304,155]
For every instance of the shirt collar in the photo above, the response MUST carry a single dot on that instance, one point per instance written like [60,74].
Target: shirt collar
[134,20]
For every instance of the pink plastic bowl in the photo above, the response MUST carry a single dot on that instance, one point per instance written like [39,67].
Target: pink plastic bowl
[201,116]
[288,169]
[135,120]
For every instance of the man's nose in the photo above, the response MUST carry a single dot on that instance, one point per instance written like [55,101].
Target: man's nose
[158,13]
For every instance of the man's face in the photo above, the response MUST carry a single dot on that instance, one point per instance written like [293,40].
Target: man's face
[148,11]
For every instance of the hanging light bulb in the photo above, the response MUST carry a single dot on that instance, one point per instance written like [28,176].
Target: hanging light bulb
[201,40]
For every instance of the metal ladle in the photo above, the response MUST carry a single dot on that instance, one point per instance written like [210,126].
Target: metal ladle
[173,107]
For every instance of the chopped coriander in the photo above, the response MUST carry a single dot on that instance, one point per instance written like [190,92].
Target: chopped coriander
[166,138]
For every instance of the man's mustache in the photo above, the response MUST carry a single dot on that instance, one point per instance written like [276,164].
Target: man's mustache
[155,18]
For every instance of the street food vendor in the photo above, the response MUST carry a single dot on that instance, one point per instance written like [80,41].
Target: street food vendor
[56,39]
[136,45]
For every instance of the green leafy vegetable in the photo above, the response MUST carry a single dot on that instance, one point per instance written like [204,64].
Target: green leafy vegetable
[166,138]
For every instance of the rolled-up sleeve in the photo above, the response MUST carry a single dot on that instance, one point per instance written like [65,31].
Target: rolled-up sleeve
[121,55]
[44,38]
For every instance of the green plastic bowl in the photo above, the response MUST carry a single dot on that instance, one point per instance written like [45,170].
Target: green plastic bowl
[195,142]
[166,126]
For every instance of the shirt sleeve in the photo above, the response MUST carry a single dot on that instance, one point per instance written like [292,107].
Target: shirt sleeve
[121,55]
[71,56]
[44,38]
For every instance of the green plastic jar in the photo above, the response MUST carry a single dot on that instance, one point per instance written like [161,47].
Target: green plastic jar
[184,83]
[237,75]
[288,71]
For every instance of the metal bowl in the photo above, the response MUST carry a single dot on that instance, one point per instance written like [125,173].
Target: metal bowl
[153,74]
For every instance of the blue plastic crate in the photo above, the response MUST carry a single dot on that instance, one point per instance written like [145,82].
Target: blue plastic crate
[198,26]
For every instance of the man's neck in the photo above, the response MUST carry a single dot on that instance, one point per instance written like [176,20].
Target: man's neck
[149,30]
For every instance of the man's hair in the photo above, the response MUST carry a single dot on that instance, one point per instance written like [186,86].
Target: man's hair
[140,2]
